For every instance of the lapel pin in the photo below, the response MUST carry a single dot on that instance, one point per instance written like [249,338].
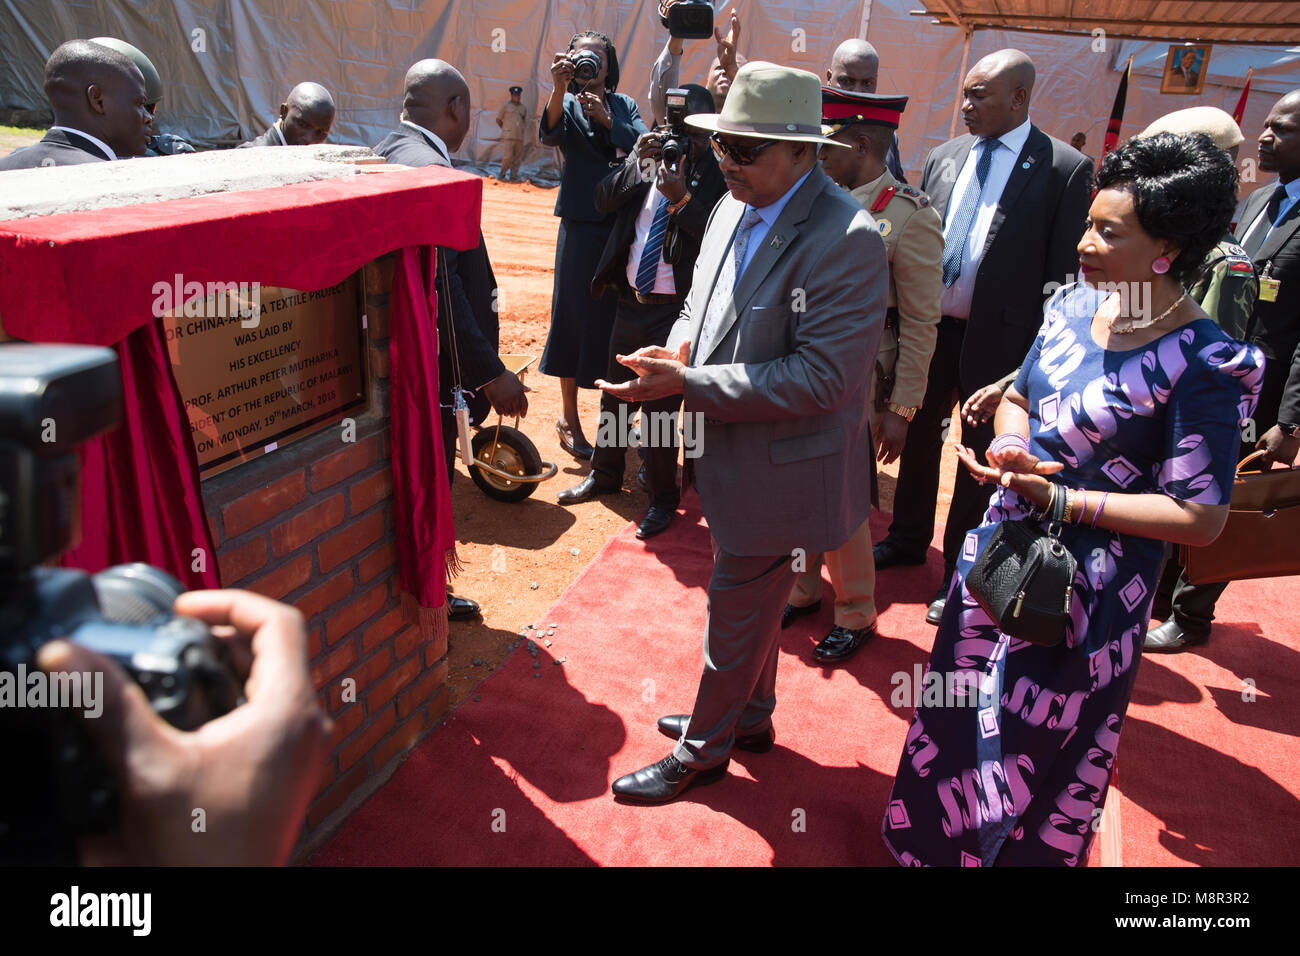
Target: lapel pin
[1025,164]
[777,242]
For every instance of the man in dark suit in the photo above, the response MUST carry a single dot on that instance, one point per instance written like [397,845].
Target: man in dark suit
[773,351]
[1013,200]
[662,210]
[306,116]
[435,120]
[98,99]
[1268,228]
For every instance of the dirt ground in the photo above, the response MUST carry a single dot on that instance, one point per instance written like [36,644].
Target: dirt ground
[519,557]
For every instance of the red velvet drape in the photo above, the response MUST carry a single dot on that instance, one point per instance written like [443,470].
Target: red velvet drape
[419,469]
[140,498]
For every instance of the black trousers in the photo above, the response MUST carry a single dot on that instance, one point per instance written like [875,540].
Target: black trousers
[637,325]
[917,492]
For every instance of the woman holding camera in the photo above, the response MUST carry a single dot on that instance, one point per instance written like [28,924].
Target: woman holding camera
[1127,409]
[594,126]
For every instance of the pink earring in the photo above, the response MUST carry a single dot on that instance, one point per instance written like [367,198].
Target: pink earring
[1160,265]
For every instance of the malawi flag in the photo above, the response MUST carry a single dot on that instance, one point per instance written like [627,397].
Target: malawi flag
[1117,111]
[1240,111]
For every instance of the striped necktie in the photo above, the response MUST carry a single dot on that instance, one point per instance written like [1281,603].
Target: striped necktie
[964,215]
[720,300]
[653,251]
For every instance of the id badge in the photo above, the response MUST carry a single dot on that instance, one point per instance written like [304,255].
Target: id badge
[1269,288]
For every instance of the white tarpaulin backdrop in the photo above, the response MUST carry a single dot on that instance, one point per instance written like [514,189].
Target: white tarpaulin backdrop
[227,64]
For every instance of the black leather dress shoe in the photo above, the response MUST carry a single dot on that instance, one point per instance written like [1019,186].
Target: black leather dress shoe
[888,555]
[1169,638]
[656,519]
[934,613]
[585,490]
[579,450]
[664,781]
[842,643]
[641,479]
[461,609]
[674,725]
[793,613]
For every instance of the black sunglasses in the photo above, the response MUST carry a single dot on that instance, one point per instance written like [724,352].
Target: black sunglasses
[740,155]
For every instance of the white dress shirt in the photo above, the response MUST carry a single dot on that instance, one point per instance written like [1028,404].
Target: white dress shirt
[767,217]
[103,146]
[1292,196]
[957,297]
[664,284]
[433,137]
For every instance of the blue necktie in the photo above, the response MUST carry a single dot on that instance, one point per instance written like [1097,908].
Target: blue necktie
[964,215]
[654,244]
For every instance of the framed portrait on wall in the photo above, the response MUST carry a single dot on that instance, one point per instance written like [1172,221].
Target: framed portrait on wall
[1185,67]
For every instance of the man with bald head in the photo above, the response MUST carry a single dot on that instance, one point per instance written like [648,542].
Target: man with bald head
[98,99]
[306,116]
[436,113]
[855,68]
[1013,202]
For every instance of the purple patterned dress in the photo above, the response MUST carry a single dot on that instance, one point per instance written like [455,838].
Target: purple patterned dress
[1009,753]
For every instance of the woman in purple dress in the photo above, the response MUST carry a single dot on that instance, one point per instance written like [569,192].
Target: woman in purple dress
[1129,402]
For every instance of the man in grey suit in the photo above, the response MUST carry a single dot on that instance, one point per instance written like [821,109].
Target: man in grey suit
[773,351]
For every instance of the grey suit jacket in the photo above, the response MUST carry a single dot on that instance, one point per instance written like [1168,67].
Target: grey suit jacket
[786,446]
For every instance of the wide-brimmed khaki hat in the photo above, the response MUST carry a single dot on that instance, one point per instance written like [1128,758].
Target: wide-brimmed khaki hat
[1210,120]
[767,101]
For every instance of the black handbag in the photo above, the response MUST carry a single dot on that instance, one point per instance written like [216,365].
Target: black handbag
[1024,578]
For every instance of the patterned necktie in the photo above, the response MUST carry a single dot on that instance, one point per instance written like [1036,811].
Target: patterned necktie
[1267,221]
[720,300]
[964,215]
[654,244]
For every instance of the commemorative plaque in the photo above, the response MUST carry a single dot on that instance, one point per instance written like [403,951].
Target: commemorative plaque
[260,366]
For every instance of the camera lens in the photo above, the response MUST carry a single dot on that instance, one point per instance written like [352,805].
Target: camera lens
[136,593]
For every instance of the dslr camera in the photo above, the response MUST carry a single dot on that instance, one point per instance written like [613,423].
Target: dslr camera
[57,787]
[687,19]
[586,65]
[673,139]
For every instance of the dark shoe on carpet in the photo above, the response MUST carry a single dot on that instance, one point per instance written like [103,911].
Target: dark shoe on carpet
[586,490]
[934,613]
[461,609]
[842,643]
[889,555]
[674,725]
[656,519]
[641,481]
[1169,638]
[793,613]
[578,449]
[664,781]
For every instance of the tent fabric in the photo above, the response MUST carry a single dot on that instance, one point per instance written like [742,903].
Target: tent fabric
[1244,22]
[227,65]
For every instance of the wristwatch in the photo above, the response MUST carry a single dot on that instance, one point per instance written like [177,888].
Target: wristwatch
[675,208]
[907,412]
[1288,430]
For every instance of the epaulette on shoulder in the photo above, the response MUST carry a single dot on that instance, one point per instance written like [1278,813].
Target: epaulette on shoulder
[914,194]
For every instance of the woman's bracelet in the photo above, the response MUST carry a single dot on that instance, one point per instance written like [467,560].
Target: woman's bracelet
[1083,505]
[1007,440]
[1097,513]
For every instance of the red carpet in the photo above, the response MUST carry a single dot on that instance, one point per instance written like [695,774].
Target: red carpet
[521,777]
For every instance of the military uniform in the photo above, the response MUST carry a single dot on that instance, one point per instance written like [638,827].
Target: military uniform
[513,117]
[1227,287]
[913,234]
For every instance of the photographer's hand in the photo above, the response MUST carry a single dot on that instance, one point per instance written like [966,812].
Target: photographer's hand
[727,45]
[251,772]
[672,182]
